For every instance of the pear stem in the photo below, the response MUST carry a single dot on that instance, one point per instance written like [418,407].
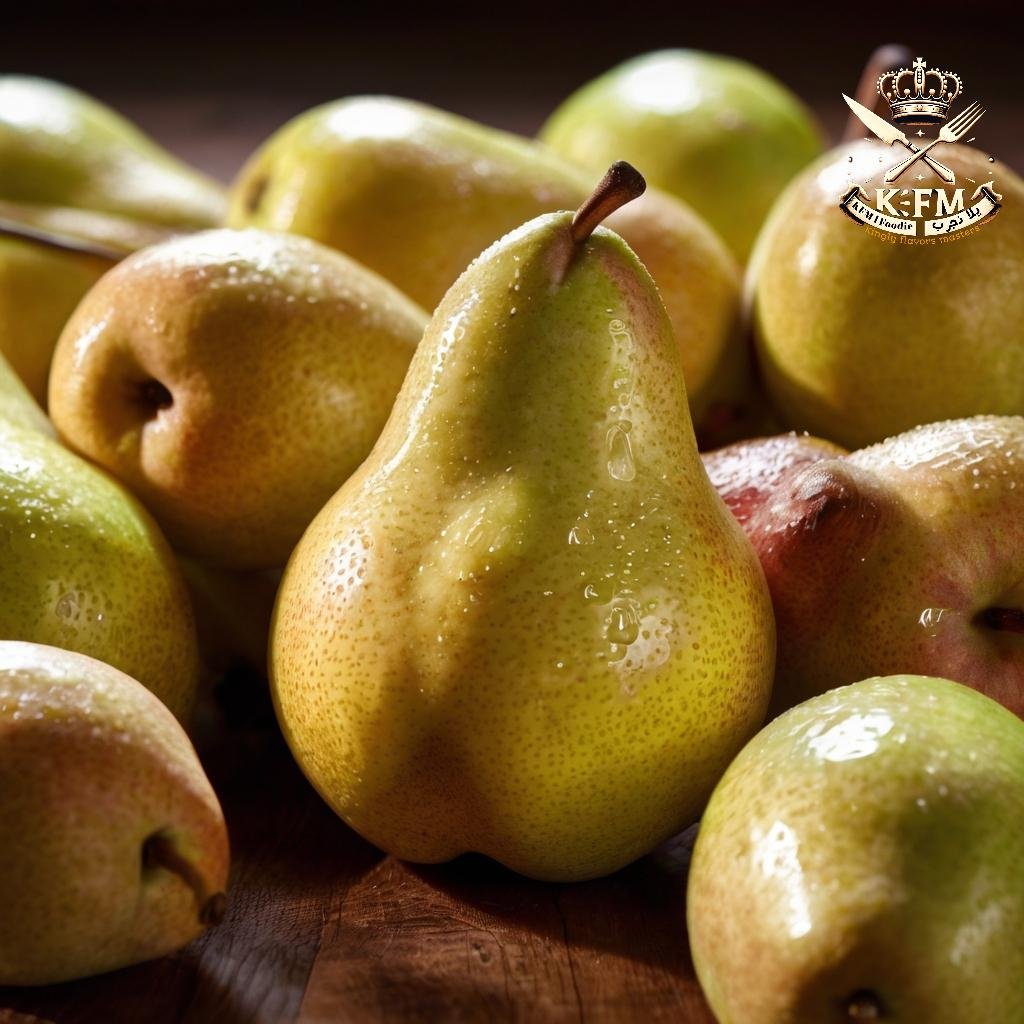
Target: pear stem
[621,184]
[159,851]
[884,58]
[1006,620]
[57,240]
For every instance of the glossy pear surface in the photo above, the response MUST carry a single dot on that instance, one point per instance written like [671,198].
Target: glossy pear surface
[861,860]
[416,194]
[17,405]
[91,767]
[85,568]
[527,626]
[747,473]
[233,380]
[716,132]
[61,147]
[908,555]
[859,339]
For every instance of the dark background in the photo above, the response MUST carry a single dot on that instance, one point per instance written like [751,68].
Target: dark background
[211,80]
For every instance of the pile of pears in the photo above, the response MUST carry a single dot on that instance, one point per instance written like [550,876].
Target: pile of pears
[473,445]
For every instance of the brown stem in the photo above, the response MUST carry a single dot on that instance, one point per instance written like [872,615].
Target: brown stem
[884,58]
[58,240]
[620,185]
[1006,620]
[159,851]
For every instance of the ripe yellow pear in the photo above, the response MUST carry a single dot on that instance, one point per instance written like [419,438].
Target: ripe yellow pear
[862,860]
[859,338]
[527,626]
[85,568]
[416,193]
[233,380]
[114,846]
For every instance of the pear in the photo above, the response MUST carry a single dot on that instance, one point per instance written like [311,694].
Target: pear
[902,556]
[861,860]
[85,568]
[859,339]
[416,193]
[233,380]
[17,405]
[115,849]
[714,131]
[747,473]
[527,626]
[59,147]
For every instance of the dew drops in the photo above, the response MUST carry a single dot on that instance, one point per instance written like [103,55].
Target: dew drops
[623,622]
[620,452]
[581,534]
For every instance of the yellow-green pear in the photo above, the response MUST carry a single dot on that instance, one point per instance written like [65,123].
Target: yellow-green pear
[85,568]
[17,405]
[416,193]
[233,380]
[862,860]
[60,147]
[527,626]
[114,846]
[717,132]
[860,338]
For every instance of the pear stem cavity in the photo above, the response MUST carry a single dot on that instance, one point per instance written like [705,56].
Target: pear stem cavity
[1004,620]
[621,184]
[864,1005]
[57,240]
[884,58]
[159,851]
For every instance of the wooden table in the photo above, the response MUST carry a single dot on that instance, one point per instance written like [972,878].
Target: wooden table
[322,927]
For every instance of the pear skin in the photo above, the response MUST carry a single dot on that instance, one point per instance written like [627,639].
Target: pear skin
[85,568]
[860,860]
[233,380]
[902,556]
[115,849]
[416,193]
[18,406]
[716,132]
[527,626]
[859,339]
[60,147]
[747,473]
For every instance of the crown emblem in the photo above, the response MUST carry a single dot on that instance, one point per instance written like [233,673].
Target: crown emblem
[925,99]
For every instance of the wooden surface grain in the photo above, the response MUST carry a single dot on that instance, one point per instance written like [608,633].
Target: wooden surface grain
[323,927]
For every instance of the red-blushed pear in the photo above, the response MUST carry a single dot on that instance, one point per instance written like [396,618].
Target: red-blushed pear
[905,556]
[747,473]
[862,860]
[527,626]
[114,846]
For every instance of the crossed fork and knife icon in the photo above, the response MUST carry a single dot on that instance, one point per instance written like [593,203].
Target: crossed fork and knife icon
[957,128]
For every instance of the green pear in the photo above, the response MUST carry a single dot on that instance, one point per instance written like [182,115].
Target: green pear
[527,626]
[902,556]
[714,131]
[85,568]
[747,473]
[17,405]
[115,849]
[860,339]
[59,147]
[415,194]
[862,860]
[233,380]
